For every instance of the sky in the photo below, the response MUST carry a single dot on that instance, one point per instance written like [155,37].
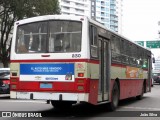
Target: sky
[140,19]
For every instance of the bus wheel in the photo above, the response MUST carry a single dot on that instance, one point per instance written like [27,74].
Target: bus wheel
[139,97]
[114,98]
[61,104]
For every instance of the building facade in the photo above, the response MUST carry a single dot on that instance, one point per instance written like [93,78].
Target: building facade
[75,7]
[107,12]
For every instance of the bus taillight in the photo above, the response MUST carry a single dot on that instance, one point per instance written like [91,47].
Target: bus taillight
[80,74]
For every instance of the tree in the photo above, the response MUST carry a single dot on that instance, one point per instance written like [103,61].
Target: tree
[13,10]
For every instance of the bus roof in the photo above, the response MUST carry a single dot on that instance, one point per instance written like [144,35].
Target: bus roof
[49,17]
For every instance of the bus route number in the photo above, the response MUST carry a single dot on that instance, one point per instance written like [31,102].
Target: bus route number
[76,55]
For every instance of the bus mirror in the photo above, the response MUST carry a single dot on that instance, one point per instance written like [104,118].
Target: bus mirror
[153,60]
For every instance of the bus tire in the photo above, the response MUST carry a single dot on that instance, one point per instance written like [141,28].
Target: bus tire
[114,98]
[61,104]
[139,97]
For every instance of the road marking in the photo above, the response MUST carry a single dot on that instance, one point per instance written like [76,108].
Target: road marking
[138,108]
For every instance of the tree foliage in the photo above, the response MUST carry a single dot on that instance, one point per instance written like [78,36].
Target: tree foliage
[13,10]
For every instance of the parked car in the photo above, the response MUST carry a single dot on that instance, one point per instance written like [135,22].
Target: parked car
[156,77]
[5,80]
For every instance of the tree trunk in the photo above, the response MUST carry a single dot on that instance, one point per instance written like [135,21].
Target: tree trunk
[5,63]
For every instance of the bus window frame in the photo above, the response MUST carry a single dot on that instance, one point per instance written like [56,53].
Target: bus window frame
[91,36]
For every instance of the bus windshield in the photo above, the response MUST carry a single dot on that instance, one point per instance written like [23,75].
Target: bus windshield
[49,37]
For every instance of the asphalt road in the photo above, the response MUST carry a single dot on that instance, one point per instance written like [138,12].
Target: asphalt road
[131,109]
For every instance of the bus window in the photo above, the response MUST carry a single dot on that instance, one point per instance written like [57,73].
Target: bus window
[145,63]
[133,55]
[115,45]
[125,51]
[139,57]
[93,39]
[31,37]
[65,36]
[145,60]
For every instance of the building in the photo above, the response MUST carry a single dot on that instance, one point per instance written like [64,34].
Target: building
[75,7]
[120,15]
[107,12]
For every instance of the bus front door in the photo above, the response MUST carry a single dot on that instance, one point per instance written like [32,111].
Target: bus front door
[104,70]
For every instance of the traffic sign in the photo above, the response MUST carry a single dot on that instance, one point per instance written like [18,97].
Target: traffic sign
[153,44]
[140,43]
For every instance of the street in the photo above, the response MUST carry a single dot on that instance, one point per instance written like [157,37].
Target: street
[146,109]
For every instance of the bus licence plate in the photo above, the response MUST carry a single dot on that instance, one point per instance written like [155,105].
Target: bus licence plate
[45,85]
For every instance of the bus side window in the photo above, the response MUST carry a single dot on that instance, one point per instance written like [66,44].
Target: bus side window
[115,45]
[125,51]
[133,55]
[145,60]
[139,57]
[93,41]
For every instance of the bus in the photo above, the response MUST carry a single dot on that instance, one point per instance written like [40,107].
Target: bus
[73,59]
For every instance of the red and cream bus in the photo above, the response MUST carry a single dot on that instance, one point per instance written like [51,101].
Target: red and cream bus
[73,59]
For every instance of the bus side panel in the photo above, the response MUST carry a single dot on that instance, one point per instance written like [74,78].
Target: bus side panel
[93,73]
[111,86]
[130,88]
[131,80]
[93,92]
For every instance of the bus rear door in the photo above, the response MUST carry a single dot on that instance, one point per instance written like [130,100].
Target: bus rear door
[104,64]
